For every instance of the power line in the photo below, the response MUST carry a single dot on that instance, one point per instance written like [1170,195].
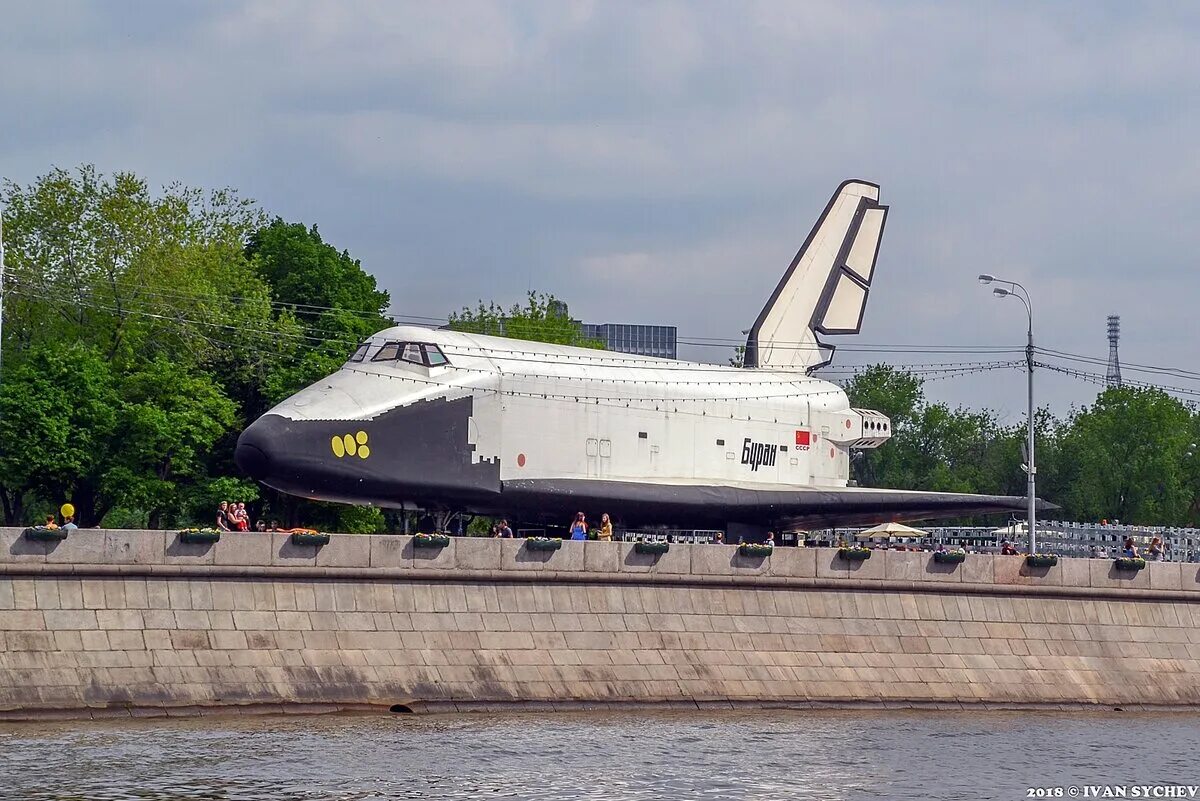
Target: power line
[540,326]
[1176,372]
[1101,380]
[930,371]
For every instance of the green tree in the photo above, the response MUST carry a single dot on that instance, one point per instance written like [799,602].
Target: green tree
[934,447]
[901,397]
[169,420]
[138,307]
[1127,456]
[325,291]
[104,260]
[58,417]
[543,318]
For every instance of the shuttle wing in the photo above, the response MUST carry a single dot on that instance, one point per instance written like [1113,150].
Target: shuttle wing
[825,289]
[802,507]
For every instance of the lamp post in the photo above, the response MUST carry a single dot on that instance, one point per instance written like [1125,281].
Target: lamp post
[1017,291]
[1,288]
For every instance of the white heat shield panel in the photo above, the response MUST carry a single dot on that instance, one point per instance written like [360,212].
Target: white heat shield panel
[861,259]
[845,309]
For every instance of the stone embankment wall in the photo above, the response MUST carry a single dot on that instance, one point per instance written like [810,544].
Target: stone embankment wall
[136,622]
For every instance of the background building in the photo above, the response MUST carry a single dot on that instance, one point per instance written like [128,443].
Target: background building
[644,340]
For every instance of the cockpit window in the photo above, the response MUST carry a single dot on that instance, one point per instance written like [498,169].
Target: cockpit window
[426,354]
[387,353]
[361,352]
[412,353]
[434,356]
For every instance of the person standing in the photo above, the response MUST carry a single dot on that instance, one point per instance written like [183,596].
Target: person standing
[1155,552]
[69,523]
[605,533]
[223,516]
[579,528]
[503,531]
[243,517]
[1131,551]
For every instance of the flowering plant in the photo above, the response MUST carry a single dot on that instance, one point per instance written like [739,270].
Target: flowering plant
[1129,563]
[431,540]
[309,537]
[199,535]
[45,533]
[755,549]
[1041,559]
[543,543]
[855,553]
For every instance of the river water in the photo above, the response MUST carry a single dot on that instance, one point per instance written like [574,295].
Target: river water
[759,755]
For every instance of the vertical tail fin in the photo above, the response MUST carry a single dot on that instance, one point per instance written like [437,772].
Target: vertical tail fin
[824,291]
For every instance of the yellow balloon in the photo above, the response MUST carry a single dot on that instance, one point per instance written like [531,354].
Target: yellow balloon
[350,445]
[339,450]
[364,451]
[67,510]
[361,437]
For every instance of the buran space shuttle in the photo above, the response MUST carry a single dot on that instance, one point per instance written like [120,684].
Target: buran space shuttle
[446,420]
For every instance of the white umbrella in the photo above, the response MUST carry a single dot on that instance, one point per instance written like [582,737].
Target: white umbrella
[893,530]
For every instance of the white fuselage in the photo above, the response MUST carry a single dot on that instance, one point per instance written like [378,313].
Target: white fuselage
[556,412]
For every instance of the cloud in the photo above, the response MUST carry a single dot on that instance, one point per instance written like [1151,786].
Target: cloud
[662,161]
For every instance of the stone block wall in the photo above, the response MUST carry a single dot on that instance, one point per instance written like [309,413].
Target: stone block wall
[135,622]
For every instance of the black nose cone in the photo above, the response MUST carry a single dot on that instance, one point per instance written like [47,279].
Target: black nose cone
[252,452]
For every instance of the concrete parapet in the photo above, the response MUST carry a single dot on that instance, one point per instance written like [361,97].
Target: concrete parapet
[98,550]
[111,622]
[345,550]
[677,560]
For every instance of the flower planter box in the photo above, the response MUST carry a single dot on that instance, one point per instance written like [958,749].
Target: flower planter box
[1129,564]
[431,540]
[949,557]
[652,547]
[854,554]
[309,538]
[1041,560]
[543,543]
[43,534]
[199,536]
[755,549]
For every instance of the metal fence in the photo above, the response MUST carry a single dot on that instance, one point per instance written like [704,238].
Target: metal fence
[1054,536]
[693,535]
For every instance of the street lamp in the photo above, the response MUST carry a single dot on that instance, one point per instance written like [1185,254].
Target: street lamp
[1017,291]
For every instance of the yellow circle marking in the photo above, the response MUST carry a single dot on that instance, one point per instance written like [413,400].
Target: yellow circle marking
[339,450]
[351,445]
[364,451]
[361,437]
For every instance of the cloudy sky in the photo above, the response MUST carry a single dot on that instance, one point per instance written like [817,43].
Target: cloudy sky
[662,161]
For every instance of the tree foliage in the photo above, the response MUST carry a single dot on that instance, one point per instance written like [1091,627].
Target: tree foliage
[543,318]
[144,329]
[1131,456]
